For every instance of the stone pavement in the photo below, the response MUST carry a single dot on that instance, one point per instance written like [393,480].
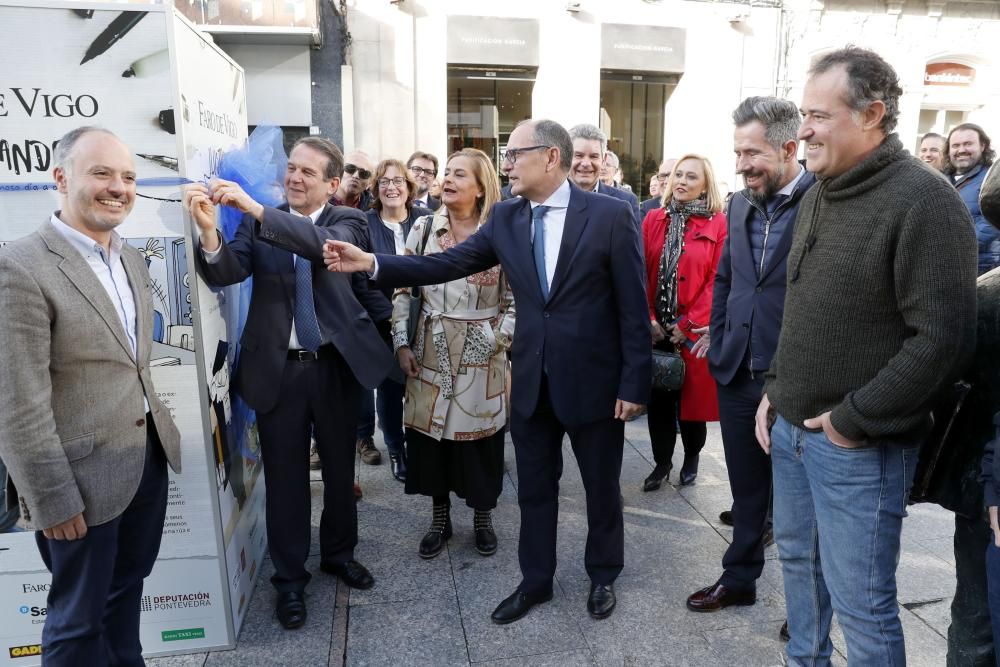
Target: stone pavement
[437,612]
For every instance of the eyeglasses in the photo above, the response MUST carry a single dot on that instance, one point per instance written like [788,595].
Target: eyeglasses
[420,171]
[398,181]
[662,177]
[363,174]
[512,154]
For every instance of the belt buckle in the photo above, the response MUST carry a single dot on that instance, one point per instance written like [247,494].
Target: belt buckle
[305,355]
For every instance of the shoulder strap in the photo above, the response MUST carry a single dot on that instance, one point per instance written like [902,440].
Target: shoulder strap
[428,221]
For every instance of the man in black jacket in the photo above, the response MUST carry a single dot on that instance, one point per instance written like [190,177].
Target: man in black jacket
[308,347]
[746,318]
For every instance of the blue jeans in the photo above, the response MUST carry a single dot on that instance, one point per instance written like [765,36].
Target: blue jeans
[389,406]
[993,587]
[838,514]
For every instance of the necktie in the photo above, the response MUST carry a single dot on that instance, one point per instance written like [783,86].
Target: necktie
[538,247]
[306,324]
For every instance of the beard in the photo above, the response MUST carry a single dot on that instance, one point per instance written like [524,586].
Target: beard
[772,183]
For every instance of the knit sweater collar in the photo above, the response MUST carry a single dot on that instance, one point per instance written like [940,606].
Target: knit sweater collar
[869,173]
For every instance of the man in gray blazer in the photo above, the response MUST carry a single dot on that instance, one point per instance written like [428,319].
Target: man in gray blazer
[84,436]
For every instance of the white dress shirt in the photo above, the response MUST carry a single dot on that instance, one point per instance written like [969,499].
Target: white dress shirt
[213,257]
[555,222]
[110,272]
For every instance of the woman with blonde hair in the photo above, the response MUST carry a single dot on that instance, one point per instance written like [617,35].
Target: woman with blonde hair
[682,243]
[456,405]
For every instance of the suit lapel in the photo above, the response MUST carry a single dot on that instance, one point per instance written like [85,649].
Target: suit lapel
[285,263]
[76,269]
[576,222]
[740,231]
[141,296]
[523,250]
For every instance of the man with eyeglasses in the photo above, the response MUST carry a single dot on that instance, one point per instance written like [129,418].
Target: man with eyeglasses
[662,177]
[353,190]
[581,358]
[424,168]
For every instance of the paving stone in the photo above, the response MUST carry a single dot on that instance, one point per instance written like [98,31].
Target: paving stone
[561,659]
[417,632]
[188,660]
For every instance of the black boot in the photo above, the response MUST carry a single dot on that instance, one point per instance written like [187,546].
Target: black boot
[398,464]
[486,539]
[655,479]
[440,532]
[689,471]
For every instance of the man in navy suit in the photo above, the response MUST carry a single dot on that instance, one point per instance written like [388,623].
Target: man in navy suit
[307,348]
[747,308]
[589,147]
[581,358]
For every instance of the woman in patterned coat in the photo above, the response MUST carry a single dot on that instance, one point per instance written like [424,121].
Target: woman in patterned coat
[456,365]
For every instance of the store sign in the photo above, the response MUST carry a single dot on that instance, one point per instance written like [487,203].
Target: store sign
[949,74]
[485,40]
[642,48]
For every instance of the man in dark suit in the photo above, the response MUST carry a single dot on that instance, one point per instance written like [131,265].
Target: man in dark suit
[589,147]
[581,357]
[662,178]
[307,348]
[86,439]
[747,307]
[424,169]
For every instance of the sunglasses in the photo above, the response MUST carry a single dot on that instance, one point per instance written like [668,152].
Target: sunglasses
[363,174]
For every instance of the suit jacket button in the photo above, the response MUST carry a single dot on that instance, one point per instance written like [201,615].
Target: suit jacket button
[546,316]
[140,422]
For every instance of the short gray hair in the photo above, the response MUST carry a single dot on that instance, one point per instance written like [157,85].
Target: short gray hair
[780,118]
[62,156]
[551,133]
[590,133]
[869,79]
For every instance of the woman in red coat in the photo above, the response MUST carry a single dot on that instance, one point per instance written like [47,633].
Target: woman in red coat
[682,243]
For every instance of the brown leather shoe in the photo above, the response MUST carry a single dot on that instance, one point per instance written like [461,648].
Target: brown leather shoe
[717,597]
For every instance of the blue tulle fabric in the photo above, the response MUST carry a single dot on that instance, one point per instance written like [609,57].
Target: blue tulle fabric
[259,168]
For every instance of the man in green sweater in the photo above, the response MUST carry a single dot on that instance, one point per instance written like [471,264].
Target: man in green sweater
[880,314]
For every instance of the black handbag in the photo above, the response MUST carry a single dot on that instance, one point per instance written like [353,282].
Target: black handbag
[415,296]
[668,370]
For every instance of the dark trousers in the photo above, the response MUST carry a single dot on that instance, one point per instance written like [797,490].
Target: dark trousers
[93,605]
[598,448]
[662,412]
[389,406]
[749,479]
[321,399]
[970,640]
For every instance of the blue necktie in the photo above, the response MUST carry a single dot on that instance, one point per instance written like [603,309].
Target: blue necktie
[538,247]
[306,324]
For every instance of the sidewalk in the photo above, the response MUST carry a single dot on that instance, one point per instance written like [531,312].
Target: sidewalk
[437,612]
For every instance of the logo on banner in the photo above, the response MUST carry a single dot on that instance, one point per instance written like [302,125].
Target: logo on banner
[26,651]
[182,635]
[37,613]
[181,601]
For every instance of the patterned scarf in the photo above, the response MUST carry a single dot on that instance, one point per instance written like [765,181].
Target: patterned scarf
[666,288]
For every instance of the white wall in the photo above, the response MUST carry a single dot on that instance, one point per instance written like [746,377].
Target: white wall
[279,85]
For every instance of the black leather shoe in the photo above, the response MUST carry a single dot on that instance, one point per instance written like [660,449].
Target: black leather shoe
[726,518]
[717,597]
[291,609]
[783,632]
[516,606]
[689,471]
[655,479]
[398,464]
[352,573]
[602,600]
